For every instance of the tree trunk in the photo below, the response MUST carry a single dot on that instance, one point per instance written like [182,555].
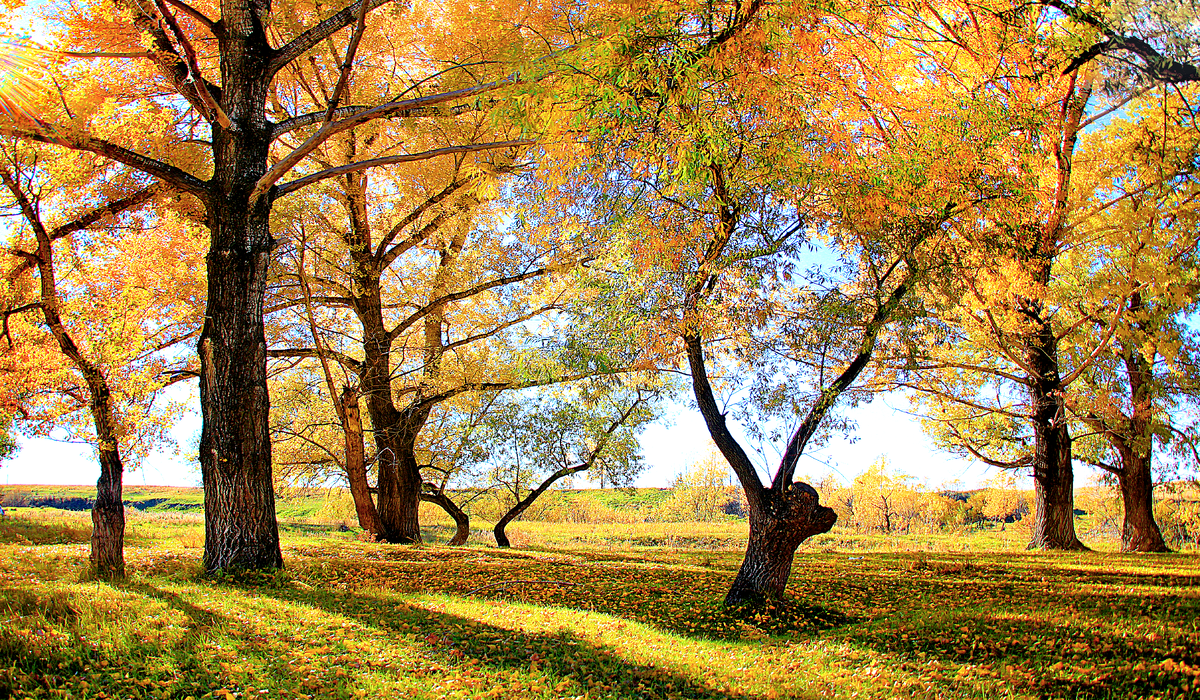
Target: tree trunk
[462,523]
[108,517]
[1139,531]
[399,493]
[235,448]
[356,469]
[1054,489]
[108,512]
[776,530]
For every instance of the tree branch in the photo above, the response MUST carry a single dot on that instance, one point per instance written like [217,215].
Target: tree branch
[49,134]
[464,294]
[387,110]
[319,32]
[195,14]
[294,185]
[345,360]
[212,110]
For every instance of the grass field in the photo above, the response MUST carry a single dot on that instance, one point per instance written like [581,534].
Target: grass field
[597,611]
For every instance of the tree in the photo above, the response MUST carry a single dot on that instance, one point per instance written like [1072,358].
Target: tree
[215,103]
[719,177]
[115,324]
[437,298]
[1162,35]
[561,436]
[1135,394]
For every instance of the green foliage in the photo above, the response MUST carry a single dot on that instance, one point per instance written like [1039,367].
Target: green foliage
[353,619]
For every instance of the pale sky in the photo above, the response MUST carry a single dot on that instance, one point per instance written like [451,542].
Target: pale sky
[669,450]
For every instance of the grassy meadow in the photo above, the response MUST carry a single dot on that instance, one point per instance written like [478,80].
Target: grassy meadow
[586,610]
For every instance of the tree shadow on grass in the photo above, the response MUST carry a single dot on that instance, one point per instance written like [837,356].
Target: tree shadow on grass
[685,602]
[1040,634]
[562,660]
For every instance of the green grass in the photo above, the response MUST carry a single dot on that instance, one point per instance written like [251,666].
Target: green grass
[565,619]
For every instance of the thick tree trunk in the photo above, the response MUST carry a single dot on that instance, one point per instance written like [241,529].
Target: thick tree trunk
[235,448]
[1139,531]
[776,530]
[1053,472]
[399,492]
[108,516]
[356,469]
[462,523]
[1054,491]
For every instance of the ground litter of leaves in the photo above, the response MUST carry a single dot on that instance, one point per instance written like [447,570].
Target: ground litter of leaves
[352,619]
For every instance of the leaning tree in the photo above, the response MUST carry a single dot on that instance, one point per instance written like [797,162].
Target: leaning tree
[773,202]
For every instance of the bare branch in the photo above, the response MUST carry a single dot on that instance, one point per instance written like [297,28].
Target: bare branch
[343,359]
[465,294]
[387,110]
[351,50]
[212,110]
[195,14]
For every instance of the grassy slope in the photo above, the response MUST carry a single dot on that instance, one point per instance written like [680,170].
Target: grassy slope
[355,619]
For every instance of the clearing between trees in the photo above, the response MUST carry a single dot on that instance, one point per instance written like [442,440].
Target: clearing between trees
[349,618]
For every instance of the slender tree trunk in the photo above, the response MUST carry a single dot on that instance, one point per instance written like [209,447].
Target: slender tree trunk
[235,447]
[523,505]
[1139,531]
[108,512]
[462,523]
[776,530]
[356,469]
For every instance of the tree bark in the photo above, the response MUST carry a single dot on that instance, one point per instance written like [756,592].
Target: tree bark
[356,469]
[1139,531]
[776,530]
[399,486]
[235,447]
[108,513]
[462,523]
[107,556]
[1053,474]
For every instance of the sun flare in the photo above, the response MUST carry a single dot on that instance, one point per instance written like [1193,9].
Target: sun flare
[21,77]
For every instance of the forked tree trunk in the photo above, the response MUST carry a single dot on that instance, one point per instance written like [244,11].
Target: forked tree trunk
[462,523]
[776,530]
[1139,531]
